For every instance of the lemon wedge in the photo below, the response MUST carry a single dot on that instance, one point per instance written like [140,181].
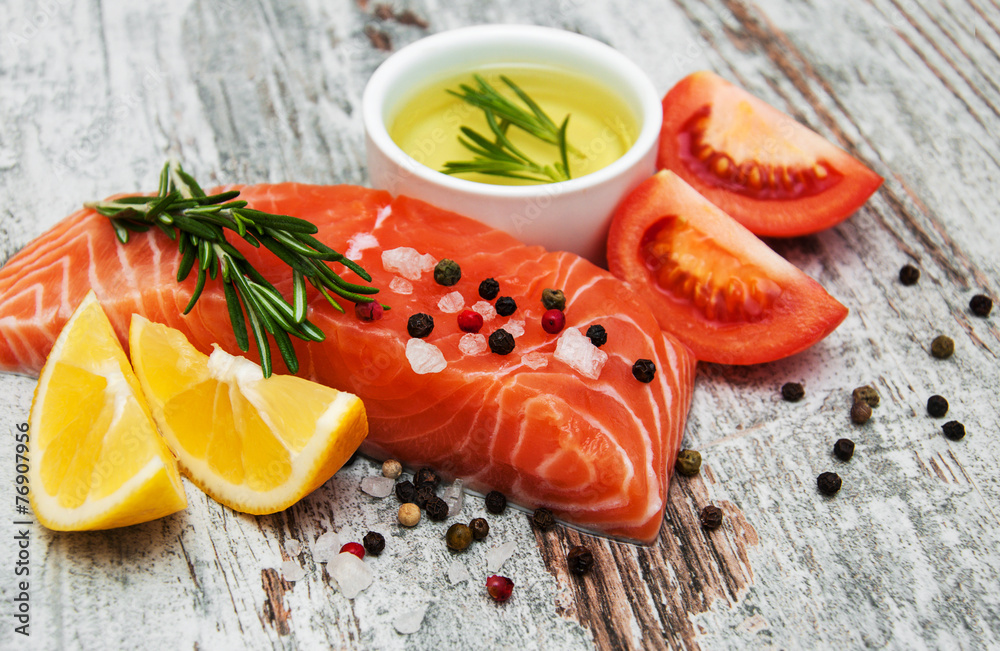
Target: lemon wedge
[97,459]
[256,445]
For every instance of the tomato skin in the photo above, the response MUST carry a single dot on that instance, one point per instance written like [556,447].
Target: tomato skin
[788,140]
[799,312]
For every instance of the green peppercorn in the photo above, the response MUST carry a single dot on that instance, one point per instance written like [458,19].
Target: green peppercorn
[480,528]
[942,347]
[496,502]
[688,462]
[553,299]
[420,325]
[792,391]
[981,305]
[860,412]
[644,370]
[447,272]
[543,519]
[488,289]
[937,406]
[866,394]
[501,342]
[458,537]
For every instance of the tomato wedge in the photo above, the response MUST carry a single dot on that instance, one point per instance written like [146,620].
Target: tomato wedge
[712,283]
[770,173]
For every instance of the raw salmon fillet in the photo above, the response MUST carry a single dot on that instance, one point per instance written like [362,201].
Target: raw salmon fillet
[597,452]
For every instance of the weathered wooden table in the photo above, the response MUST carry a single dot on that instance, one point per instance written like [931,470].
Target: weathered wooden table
[93,96]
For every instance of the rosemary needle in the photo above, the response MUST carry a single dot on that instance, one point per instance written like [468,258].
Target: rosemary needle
[499,156]
[197,222]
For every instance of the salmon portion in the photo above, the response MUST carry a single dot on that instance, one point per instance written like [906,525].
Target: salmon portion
[597,452]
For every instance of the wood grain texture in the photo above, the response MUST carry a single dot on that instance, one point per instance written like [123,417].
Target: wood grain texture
[93,96]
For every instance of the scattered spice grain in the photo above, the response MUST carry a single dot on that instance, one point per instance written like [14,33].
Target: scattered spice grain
[458,537]
[792,391]
[553,321]
[424,495]
[499,587]
[843,449]
[437,509]
[981,305]
[354,548]
[597,335]
[426,477]
[954,430]
[488,289]
[406,491]
[942,347]
[828,483]
[688,462]
[505,306]
[392,469]
[374,543]
[368,311]
[644,370]
[543,519]
[860,412]
[866,394]
[480,528]
[909,275]
[496,502]
[501,342]
[711,517]
[420,325]
[580,560]
[409,514]
[447,272]
[937,406]
[553,299]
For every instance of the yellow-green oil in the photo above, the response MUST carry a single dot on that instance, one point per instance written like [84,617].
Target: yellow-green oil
[601,126]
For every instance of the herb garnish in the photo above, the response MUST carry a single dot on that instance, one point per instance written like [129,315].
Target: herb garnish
[500,157]
[196,221]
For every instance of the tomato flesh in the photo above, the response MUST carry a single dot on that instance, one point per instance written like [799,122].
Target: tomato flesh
[712,283]
[766,170]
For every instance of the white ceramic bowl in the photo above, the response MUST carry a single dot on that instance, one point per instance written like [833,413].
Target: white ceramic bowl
[570,215]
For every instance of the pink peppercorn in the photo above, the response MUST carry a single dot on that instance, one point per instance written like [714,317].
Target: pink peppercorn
[368,311]
[499,587]
[470,321]
[354,548]
[553,321]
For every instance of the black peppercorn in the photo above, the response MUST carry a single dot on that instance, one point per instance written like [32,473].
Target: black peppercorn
[909,275]
[488,289]
[792,391]
[597,335]
[688,462]
[420,325]
[553,299]
[580,560]
[426,477]
[480,528]
[843,449]
[860,412]
[406,491]
[543,519]
[447,272]
[828,483]
[937,406]
[496,503]
[954,430]
[458,537]
[711,517]
[866,394]
[374,543]
[501,342]
[644,370]
[942,347]
[437,508]
[981,305]
[505,306]
[423,496]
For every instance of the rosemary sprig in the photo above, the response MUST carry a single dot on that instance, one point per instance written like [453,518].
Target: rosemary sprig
[197,222]
[499,157]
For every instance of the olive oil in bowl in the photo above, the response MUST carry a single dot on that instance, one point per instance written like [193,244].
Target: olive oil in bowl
[600,130]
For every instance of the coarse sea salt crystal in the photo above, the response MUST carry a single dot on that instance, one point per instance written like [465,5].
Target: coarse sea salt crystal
[515,328]
[351,574]
[293,547]
[290,571]
[326,547]
[451,303]
[454,497]
[575,349]
[409,621]
[378,486]
[401,285]
[358,243]
[485,310]
[424,358]
[407,262]
[457,572]
[496,557]
[535,360]
[472,344]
